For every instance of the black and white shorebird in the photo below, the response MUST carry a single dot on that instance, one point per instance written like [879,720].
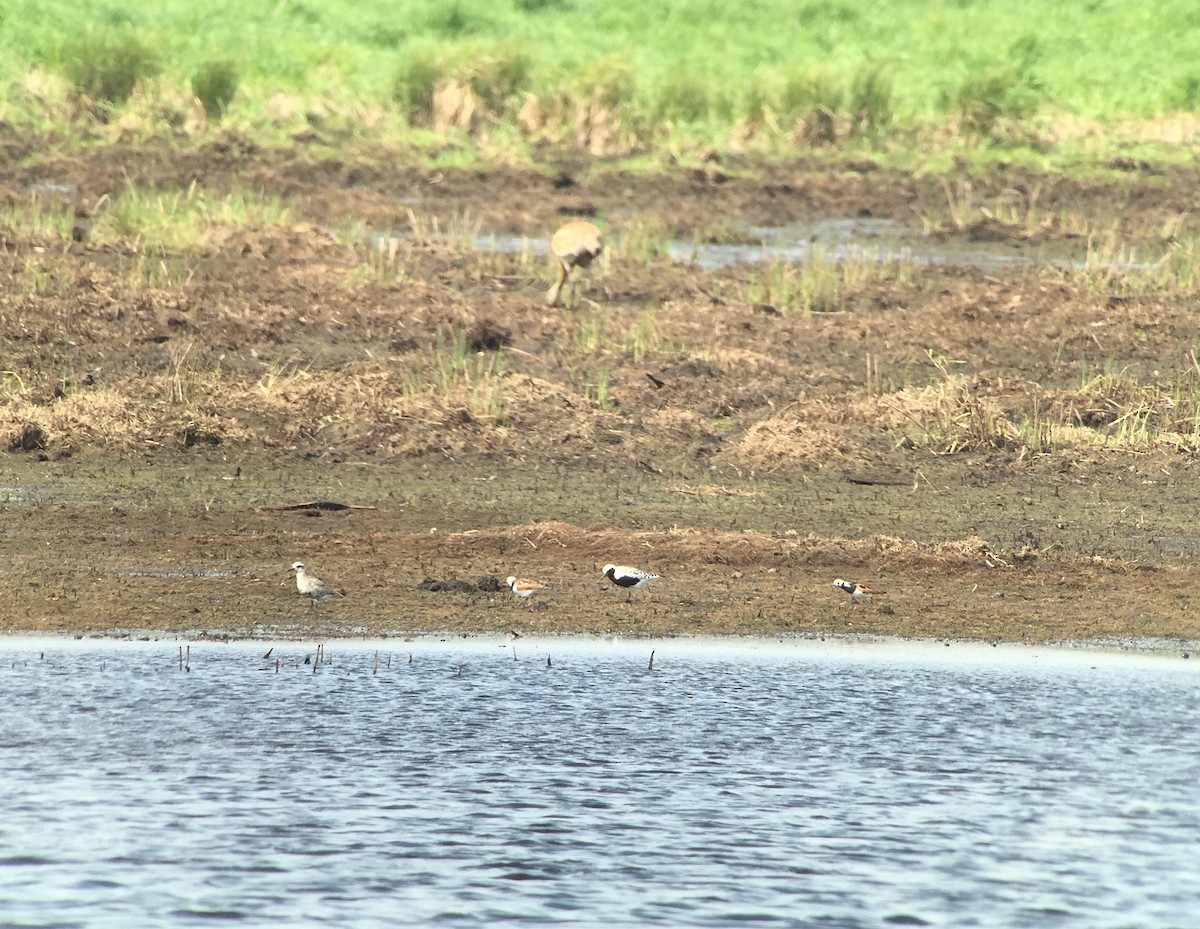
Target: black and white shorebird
[311,586]
[629,579]
[859,593]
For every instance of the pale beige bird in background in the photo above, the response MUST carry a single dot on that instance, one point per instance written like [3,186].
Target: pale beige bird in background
[575,244]
[311,586]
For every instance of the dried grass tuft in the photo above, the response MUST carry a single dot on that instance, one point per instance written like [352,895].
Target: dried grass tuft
[456,106]
[949,415]
[781,440]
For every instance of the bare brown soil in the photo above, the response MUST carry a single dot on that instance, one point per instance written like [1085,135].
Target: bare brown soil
[161,411]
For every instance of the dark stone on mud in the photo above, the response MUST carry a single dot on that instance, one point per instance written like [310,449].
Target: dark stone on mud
[193,435]
[31,438]
[578,209]
[1124,163]
[452,586]
[697,367]
[486,335]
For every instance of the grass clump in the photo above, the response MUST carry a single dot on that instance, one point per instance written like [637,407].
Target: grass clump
[498,74]
[993,99]
[821,282]
[1128,413]
[822,106]
[951,414]
[684,96]
[456,376]
[215,84]
[185,220]
[106,65]
[453,85]
[415,83]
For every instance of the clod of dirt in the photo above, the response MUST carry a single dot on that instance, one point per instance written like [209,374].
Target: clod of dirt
[585,208]
[31,437]
[488,336]
[1123,163]
[194,435]
[450,586]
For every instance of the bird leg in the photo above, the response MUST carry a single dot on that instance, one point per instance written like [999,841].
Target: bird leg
[553,293]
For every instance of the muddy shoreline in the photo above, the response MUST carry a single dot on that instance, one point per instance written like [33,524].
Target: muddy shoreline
[163,405]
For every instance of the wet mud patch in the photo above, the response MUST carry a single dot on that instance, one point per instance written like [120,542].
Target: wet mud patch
[159,411]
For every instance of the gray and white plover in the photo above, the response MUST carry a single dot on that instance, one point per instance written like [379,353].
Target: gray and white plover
[628,578]
[311,586]
[574,245]
[859,593]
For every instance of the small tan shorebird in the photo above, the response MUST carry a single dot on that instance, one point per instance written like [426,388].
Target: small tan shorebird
[311,586]
[523,587]
[859,593]
[574,245]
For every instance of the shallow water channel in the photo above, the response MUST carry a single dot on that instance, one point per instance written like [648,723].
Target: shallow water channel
[482,782]
[866,240]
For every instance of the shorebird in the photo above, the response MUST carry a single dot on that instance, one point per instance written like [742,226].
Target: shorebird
[523,587]
[628,578]
[859,593]
[311,586]
[575,244]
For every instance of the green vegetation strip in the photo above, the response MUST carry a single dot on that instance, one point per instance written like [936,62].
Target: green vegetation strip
[616,76]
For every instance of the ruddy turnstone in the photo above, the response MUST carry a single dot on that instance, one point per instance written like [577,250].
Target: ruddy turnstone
[523,587]
[311,586]
[628,578]
[574,245]
[859,593]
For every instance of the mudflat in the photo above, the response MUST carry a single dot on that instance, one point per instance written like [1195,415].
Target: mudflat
[1002,440]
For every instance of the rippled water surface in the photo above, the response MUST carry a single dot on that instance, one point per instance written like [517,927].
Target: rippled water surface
[738,783]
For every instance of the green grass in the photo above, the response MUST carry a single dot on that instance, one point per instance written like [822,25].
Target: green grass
[669,70]
[821,282]
[181,220]
[456,374]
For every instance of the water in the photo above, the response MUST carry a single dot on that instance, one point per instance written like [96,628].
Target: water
[871,240]
[739,783]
